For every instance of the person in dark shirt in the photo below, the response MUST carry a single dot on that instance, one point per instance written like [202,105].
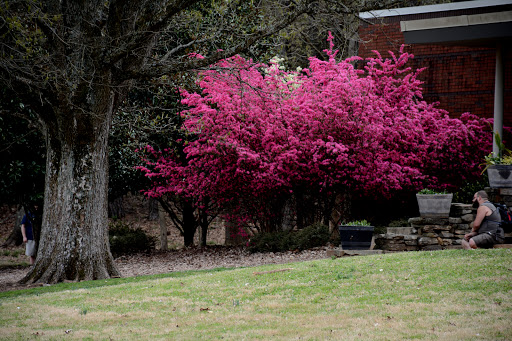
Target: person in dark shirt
[28,236]
[486,230]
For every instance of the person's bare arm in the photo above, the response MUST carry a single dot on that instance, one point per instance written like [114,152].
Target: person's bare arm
[481,212]
[24,233]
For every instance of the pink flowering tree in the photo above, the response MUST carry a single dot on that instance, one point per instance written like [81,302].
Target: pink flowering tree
[187,211]
[267,138]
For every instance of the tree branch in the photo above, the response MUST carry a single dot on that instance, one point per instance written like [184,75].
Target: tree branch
[161,67]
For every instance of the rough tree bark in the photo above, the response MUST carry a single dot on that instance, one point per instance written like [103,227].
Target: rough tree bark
[74,238]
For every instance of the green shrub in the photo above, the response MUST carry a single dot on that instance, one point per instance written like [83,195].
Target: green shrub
[309,237]
[312,236]
[271,242]
[12,253]
[399,222]
[379,229]
[466,192]
[125,240]
[432,191]
[402,222]
[363,222]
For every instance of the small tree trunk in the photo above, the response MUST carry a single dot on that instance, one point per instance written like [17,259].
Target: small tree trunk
[299,208]
[116,208]
[204,235]
[232,236]
[153,209]
[163,228]
[337,215]
[189,224]
[203,224]
[15,237]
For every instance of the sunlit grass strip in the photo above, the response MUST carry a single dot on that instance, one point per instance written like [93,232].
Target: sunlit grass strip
[455,295]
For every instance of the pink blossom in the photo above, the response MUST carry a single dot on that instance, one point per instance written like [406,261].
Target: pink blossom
[195,55]
[263,137]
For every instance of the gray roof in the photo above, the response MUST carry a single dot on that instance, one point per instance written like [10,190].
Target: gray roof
[434,8]
[482,23]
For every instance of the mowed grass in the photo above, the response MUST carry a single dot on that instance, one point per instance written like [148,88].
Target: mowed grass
[443,295]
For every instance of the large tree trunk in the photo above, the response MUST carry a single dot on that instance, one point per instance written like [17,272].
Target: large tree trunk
[74,238]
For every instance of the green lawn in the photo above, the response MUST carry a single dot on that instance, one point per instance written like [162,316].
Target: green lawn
[442,295]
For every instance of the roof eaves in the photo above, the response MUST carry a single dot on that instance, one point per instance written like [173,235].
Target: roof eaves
[433,8]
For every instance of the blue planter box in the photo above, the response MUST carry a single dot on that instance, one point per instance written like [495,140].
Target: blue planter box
[356,237]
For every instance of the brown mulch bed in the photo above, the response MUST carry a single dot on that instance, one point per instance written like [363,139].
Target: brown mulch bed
[194,258]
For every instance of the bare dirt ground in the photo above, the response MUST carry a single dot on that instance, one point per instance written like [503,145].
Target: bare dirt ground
[13,262]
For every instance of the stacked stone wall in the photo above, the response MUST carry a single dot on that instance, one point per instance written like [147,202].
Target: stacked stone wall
[429,233]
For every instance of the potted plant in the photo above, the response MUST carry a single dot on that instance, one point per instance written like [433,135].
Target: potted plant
[434,204]
[356,235]
[499,167]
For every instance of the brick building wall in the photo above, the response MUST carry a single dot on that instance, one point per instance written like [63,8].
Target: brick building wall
[460,78]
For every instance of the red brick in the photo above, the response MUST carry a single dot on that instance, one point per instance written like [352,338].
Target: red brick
[461,78]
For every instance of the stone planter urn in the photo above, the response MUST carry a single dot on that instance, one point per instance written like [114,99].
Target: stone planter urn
[356,237]
[434,205]
[500,176]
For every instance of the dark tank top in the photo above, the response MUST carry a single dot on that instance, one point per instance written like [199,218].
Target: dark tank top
[491,222]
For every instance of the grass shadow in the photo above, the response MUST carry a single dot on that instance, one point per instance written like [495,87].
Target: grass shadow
[103,282]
